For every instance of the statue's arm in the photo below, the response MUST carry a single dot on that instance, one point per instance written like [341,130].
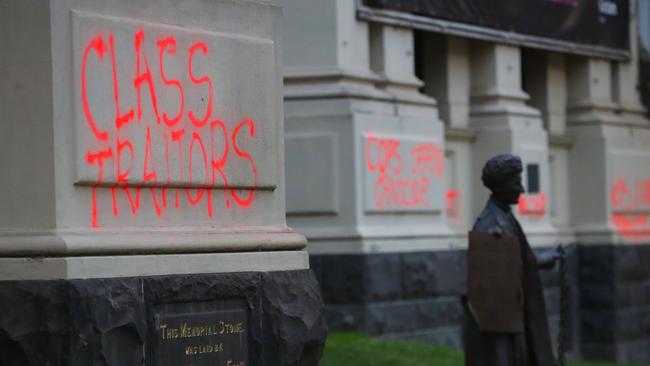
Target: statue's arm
[547,258]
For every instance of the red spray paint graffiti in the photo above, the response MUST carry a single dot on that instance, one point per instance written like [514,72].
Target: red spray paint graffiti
[182,128]
[630,205]
[532,205]
[402,181]
[453,204]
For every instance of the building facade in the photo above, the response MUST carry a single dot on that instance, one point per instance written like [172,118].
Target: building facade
[388,124]
[142,205]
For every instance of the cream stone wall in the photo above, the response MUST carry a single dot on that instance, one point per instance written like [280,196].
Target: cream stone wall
[154,127]
[364,92]
[564,113]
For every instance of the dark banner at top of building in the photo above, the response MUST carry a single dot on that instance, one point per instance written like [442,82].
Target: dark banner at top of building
[598,27]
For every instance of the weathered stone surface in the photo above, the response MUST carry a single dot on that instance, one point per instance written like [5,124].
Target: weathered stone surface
[608,296]
[629,264]
[108,321]
[446,336]
[417,274]
[382,277]
[316,265]
[293,315]
[407,316]
[603,351]
[108,317]
[450,272]
[392,317]
[632,323]
[637,351]
[341,278]
[345,317]
[621,263]
[634,294]
[439,312]
[644,255]
[395,316]
[426,298]
[34,320]
[427,274]
[614,301]
[597,326]
[597,264]
[355,278]
[608,287]
[598,297]
[615,325]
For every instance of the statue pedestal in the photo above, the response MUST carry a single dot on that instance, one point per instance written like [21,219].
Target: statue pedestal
[142,214]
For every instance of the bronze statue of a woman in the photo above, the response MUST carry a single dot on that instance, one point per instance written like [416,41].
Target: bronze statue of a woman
[531,344]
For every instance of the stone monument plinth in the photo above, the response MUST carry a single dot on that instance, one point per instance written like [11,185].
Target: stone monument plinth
[142,213]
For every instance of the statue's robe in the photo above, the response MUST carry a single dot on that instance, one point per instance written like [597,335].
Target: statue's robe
[531,347]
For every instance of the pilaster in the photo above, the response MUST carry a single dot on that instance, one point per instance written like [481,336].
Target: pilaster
[590,92]
[327,58]
[608,159]
[393,59]
[506,124]
[626,90]
[446,64]
[547,85]
[445,69]
[365,149]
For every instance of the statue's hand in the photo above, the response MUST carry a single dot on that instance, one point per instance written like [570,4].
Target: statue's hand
[548,258]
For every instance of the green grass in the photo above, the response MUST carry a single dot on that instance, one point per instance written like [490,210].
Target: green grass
[344,349]
[353,349]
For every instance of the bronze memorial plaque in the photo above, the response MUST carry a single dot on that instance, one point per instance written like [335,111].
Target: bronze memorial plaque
[494,282]
[202,334]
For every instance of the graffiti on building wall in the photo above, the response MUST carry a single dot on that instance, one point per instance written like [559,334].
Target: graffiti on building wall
[403,173]
[532,205]
[630,200]
[453,204]
[208,142]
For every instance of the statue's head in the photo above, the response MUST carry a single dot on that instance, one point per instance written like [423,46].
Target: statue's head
[502,176]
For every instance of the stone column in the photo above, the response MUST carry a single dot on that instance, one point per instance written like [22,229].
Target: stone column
[506,124]
[592,119]
[546,83]
[609,161]
[142,199]
[625,81]
[446,72]
[446,64]
[356,127]
[365,171]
